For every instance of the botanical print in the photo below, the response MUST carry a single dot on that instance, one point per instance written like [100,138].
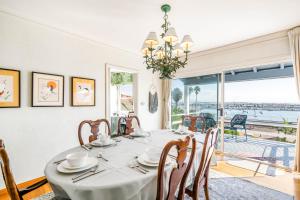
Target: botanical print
[6,88]
[48,90]
[84,92]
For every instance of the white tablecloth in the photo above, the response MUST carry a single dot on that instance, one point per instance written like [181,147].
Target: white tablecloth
[118,181]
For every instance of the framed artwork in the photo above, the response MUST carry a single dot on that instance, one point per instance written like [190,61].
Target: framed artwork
[47,90]
[83,91]
[10,85]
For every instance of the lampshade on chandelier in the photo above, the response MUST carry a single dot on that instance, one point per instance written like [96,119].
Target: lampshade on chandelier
[168,57]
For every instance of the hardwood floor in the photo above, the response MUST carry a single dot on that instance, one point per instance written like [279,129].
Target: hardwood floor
[42,190]
[283,183]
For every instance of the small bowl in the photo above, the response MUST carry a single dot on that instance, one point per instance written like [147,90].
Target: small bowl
[77,159]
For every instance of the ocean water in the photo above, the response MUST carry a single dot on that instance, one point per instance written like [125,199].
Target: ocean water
[265,115]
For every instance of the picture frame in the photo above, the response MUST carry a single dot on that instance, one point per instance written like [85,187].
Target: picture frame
[83,91]
[10,88]
[47,90]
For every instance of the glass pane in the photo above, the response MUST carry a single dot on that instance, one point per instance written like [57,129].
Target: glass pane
[195,96]
[271,108]
[121,96]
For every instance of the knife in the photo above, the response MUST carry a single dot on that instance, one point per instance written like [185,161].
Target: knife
[97,172]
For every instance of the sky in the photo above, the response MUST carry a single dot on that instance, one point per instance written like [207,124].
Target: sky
[280,90]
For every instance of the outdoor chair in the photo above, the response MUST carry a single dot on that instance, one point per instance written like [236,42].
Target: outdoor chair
[209,120]
[237,122]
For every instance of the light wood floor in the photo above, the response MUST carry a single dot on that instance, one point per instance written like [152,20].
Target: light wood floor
[283,183]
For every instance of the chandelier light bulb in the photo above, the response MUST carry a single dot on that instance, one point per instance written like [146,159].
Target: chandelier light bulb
[178,50]
[160,54]
[171,35]
[145,49]
[187,42]
[151,39]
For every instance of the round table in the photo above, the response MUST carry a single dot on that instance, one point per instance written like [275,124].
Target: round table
[118,181]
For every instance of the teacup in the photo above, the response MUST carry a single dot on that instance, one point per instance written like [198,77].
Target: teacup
[77,159]
[104,138]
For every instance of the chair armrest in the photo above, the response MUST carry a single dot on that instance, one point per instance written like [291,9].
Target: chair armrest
[33,187]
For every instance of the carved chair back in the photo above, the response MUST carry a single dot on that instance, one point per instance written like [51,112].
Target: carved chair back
[94,129]
[179,173]
[7,174]
[203,169]
[194,123]
[125,126]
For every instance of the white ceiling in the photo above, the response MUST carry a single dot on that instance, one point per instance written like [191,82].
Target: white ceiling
[125,23]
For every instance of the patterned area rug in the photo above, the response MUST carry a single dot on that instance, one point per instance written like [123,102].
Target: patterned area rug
[48,196]
[228,189]
[239,189]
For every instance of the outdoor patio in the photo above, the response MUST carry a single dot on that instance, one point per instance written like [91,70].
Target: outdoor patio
[274,152]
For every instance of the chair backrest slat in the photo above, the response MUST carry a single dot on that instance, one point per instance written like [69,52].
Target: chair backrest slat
[127,122]
[207,152]
[7,174]
[194,123]
[179,173]
[94,129]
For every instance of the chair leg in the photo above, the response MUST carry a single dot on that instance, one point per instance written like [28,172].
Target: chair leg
[206,190]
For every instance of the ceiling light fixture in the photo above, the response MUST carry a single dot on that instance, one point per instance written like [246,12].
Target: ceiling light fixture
[166,58]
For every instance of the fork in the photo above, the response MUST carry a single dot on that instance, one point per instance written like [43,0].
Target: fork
[84,173]
[133,166]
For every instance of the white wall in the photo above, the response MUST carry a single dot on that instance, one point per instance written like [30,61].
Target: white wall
[268,49]
[34,135]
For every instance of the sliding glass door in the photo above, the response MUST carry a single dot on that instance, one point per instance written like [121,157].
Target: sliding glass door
[196,96]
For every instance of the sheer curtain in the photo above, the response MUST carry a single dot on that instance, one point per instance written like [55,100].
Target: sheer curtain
[294,37]
[166,90]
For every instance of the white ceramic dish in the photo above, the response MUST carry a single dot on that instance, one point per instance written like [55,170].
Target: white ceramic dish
[97,143]
[140,134]
[76,159]
[143,159]
[90,162]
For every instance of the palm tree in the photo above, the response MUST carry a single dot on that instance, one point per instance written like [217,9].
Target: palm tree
[176,96]
[197,91]
[191,90]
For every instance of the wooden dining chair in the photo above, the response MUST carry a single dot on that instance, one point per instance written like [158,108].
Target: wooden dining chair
[201,179]
[125,124]
[11,186]
[194,123]
[94,129]
[179,173]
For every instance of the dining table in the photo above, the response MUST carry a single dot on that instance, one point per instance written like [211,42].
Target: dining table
[118,180]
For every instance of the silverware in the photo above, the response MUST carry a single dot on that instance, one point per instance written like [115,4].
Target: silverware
[133,166]
[112,145]
[85,147]
[138,165]
[84,173]
[89,175]
[59,161]
[142,168]
[101,156]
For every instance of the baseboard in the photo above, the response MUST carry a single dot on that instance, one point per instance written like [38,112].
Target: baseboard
[23,185]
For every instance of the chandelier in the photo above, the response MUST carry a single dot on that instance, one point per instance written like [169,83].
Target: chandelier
[168,57]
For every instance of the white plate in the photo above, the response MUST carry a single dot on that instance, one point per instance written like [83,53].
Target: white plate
[142,134]
[97,143]
[66,165]
[143,160]
[91,162]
